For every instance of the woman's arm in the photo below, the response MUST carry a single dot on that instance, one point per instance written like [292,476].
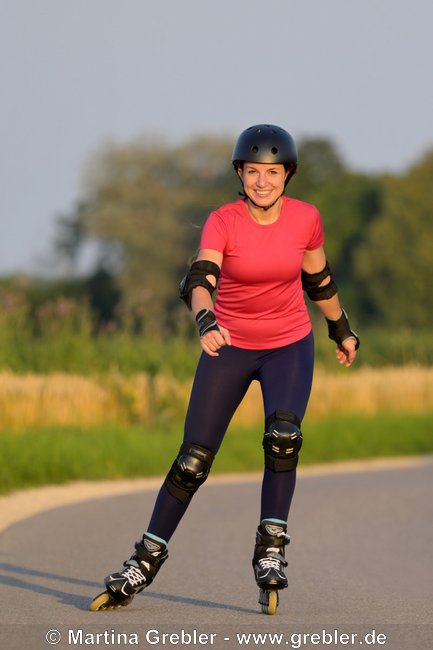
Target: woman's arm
[201,299]
[314,262]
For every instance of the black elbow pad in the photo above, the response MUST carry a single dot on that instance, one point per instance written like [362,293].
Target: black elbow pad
[311,284]
[197,277]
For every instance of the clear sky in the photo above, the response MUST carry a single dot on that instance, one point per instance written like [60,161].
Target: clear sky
[77,73]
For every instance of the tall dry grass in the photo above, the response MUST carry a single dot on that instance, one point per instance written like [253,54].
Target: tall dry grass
[368,391]
[35,401]
[61,399]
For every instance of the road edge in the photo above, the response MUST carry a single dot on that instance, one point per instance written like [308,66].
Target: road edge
[23,504]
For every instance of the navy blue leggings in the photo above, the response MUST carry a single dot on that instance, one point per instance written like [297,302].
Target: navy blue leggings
[285,376]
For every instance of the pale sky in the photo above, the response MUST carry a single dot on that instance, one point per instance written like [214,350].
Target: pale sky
[78,73]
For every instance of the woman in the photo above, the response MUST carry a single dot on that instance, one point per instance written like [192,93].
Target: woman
[264,250]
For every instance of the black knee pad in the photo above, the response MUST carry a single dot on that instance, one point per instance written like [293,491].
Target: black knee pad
[190,470]
[282,441]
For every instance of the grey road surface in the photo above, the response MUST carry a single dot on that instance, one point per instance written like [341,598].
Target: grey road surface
[360,570]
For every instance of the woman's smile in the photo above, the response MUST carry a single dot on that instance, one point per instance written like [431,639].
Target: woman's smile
[263,182]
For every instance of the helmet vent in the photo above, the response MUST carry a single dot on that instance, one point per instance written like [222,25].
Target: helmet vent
[274,150]
[254,149]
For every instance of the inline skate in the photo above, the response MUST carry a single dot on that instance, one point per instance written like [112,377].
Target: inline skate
[137,573]
[269,562]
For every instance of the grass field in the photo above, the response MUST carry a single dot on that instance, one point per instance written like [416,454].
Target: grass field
[59,427]
[38,401]
[57,455]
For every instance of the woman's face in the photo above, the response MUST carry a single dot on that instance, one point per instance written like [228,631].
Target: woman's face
[263,182]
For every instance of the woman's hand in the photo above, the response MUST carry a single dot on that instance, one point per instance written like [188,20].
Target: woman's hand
[346,352]
[213,340]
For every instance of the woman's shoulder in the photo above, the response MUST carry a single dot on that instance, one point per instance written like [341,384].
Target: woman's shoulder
[227,213]
[232,208]
[220,223]
[304,218]
[300,206]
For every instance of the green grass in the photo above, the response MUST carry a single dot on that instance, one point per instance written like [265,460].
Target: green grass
[54,456]
[76,352]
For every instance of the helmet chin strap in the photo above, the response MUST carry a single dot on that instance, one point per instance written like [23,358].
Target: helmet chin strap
[261,207]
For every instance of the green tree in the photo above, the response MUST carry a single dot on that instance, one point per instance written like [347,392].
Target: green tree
[143,205]
[320,162]
[394,261]
[348,203]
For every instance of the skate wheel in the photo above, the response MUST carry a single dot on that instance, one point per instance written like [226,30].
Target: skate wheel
[268,599]
[107,601]
[103,601]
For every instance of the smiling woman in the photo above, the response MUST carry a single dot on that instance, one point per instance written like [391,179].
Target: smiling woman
[270,158]
[263,184]
[262,251]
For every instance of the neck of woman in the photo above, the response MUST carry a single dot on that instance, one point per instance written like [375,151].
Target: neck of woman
[264,217]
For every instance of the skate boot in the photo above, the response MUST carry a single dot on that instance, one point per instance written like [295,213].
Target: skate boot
[269,562]
[137,573]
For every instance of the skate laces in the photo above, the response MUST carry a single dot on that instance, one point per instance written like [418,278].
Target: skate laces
[133,575]
[272,561]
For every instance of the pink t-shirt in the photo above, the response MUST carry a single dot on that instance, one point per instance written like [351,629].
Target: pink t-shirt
[260,298]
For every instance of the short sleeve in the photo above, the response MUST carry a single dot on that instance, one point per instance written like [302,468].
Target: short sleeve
[214,233]
[317,238]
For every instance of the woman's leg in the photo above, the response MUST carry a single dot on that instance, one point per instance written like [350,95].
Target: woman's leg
[286,377]
[220,384]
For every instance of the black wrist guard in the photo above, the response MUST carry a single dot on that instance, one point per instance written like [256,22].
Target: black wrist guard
[339,330]
[206,321]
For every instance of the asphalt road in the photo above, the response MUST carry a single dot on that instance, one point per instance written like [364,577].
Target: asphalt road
[360,569]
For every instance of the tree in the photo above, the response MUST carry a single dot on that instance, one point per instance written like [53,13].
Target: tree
[143,205]
[348,202]
[395,258]
[319,163]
